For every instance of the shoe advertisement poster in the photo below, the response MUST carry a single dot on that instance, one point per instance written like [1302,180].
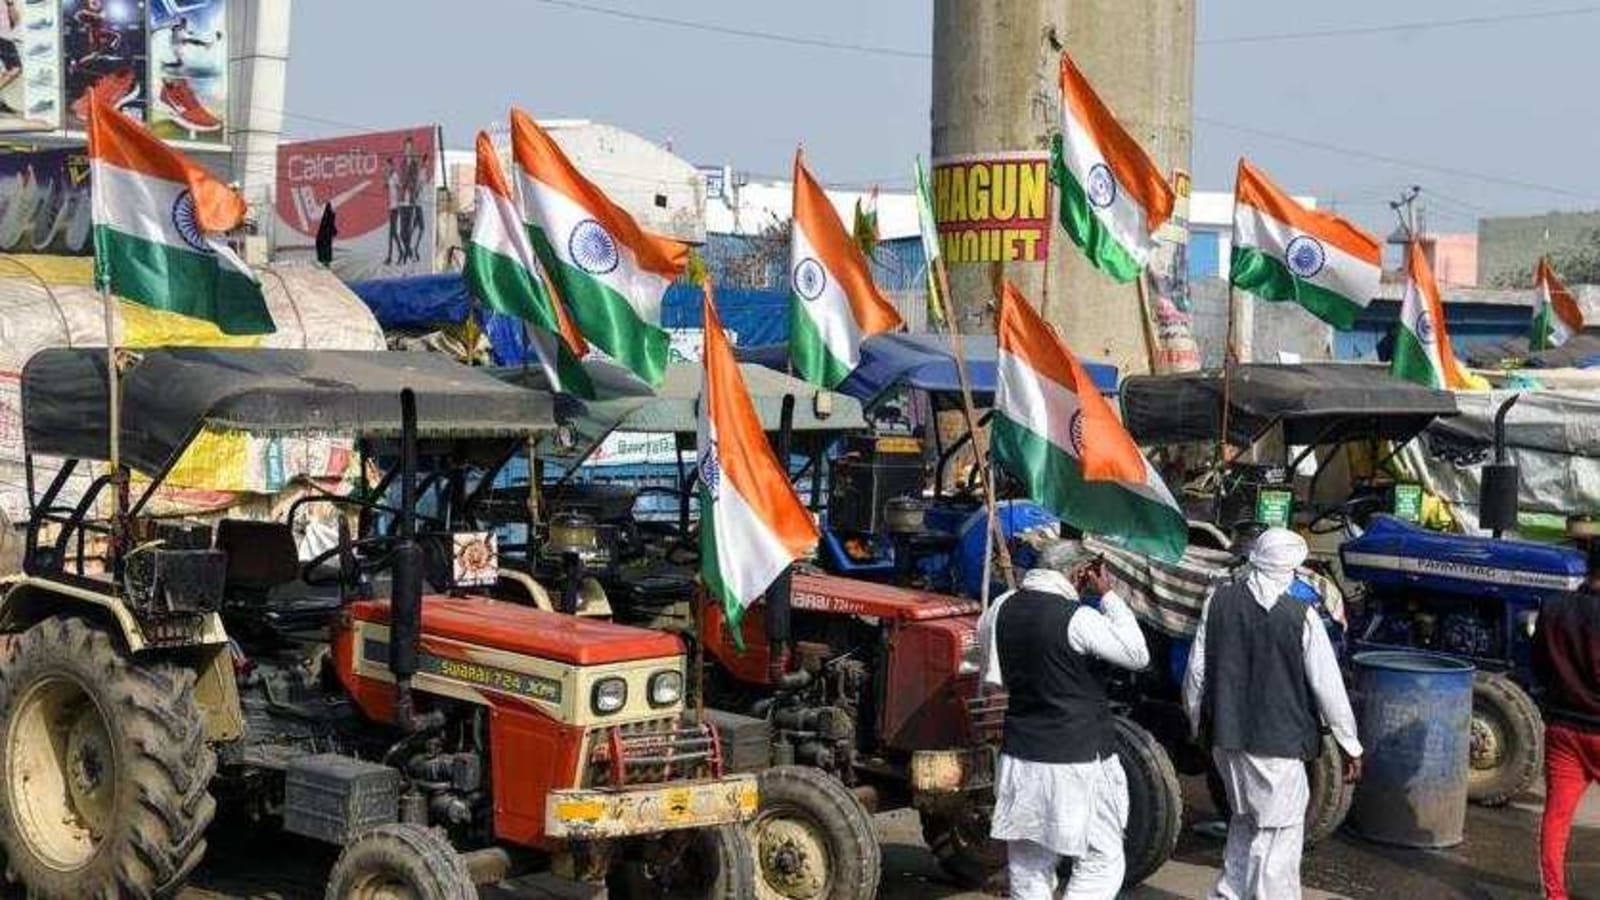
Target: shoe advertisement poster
[383,189]
[30,65]
[103,47]
[188,69]
[44,202]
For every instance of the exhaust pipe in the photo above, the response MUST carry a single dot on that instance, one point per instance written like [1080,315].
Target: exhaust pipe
[405,598]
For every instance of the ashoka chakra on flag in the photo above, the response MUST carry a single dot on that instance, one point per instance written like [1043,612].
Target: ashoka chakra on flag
[592,248]
[187,222]
[1305,256]
[810,279]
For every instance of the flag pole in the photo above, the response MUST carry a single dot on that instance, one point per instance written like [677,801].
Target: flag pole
[113,386]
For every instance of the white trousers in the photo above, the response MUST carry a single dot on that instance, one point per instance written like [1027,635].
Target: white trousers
[1096,875]
[1267,831]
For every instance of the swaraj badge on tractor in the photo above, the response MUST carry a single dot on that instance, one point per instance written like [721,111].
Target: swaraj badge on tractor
[381,697]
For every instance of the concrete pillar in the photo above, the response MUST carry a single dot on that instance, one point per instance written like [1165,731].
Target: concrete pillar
[995,89]
[257,68]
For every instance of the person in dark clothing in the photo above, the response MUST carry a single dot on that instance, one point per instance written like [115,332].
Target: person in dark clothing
[1566,669]
[1060,790]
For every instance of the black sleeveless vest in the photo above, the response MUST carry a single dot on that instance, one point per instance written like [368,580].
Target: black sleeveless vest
[1257,698]
[1057,710]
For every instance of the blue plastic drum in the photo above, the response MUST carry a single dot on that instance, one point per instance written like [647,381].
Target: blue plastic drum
[1414,712]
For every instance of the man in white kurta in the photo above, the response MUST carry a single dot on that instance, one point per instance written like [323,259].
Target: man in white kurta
[1269,793]
[1047,810]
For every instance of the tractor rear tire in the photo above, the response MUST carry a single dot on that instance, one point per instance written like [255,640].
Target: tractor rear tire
[104,768]
[1330,800]
[812,838]
[400,860]
[1507,741]
[1155,801]
[962,846]
[711,864]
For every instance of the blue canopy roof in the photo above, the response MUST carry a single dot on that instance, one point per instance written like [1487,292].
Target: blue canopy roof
[924,362]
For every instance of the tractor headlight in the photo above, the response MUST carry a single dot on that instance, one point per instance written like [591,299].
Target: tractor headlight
[666,688]
[609,695]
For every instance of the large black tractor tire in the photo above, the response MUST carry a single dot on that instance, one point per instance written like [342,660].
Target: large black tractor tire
[812,838]
[400,860]
[704,864]
[1330,799]
[1155,802]
[961,844]
[104,768]
[1507,741]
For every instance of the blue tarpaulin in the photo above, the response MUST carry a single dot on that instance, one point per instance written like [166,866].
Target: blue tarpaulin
[430,301]
[924,362]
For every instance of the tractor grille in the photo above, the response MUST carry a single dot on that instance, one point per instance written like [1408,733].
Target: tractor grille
[653,752]
[987,714]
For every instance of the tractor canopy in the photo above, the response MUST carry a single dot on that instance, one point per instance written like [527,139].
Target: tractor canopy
[169,395]
[922,362]
[1316,403]
[674,408]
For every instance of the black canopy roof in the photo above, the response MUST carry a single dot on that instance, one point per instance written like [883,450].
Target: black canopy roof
[1318,403]
[167,395]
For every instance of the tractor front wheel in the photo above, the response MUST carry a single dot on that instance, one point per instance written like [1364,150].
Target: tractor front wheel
[703,864]
[400,861]
[812,838]
[105,766]
[1507,741]
[1155,801]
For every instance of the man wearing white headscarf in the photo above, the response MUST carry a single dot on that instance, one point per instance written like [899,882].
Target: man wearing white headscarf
[1261,674]
[1060,789]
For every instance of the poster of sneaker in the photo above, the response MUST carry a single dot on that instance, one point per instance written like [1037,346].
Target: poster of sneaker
[103,52]
[189,69]
[44,202]
[30,65]
[383,188]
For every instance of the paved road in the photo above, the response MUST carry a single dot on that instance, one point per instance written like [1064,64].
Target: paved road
[1498,862]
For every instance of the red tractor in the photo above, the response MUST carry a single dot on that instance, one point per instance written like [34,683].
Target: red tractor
[381,696]
[858,696]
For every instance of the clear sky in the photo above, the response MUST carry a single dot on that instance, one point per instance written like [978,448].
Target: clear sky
[1493,117]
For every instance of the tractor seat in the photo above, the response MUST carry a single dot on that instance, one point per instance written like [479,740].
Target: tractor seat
[263,576]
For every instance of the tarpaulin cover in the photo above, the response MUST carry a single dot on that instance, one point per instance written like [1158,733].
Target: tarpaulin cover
[1318,403]
[1581,351]
[432,301]
[168,394]
[1553,437]
[924,362]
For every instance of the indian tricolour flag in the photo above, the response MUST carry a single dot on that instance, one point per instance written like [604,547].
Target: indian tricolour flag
[752,524]
[834,303]
[1422,351]
[156,218]
[1284,251]
[1113,198]
[611,273]
[1557,316]
[503,272]
[1060,438]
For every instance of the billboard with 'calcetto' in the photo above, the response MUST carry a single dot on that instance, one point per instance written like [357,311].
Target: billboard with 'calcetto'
[382,188]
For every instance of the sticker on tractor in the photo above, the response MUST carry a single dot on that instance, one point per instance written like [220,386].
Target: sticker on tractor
[1272,508]
[1408,502]
[476,674]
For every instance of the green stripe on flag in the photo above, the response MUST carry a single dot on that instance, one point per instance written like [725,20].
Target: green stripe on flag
[711,571]
[1267,277]
[808,351]
[1543,335]
[1087,231]
[1104,508]
[506,287]
[180,280]
[1411,360]
[604,316]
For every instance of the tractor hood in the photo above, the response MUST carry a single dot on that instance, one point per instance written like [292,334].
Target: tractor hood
[525,631]
[1398,554]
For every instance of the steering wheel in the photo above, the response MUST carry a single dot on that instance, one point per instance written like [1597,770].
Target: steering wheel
[1355,509]
[371,561]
